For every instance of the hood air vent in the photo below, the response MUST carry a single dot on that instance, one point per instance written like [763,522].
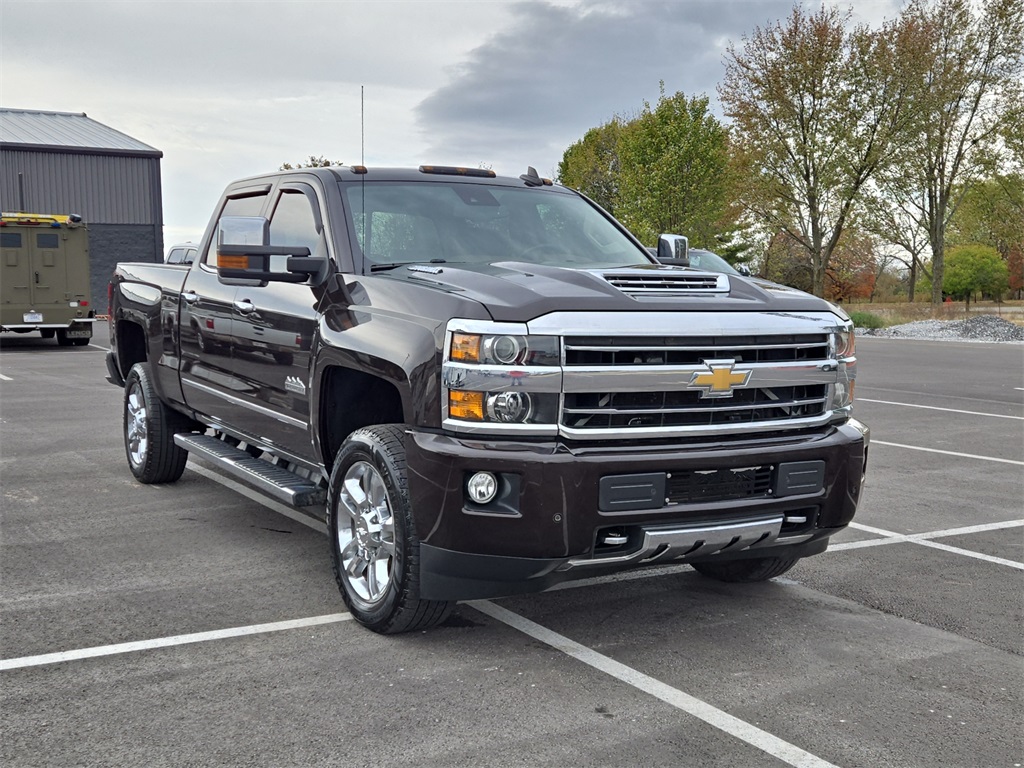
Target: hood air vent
[658,283]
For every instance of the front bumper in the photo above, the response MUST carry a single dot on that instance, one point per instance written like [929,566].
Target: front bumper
[553,525]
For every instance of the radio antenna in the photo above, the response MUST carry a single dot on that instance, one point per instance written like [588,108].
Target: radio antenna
[362,126]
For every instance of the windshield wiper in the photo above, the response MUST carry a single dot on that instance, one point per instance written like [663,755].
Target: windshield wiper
[397,264]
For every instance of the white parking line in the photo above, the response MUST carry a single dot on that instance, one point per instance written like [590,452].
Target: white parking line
[948,453]
[925,540]
[97,346]
[5,378]
[717,718]
[936,408]
[167,642]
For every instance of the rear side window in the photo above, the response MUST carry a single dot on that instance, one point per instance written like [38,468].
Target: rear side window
[10,239]
[48,240]
[190,255]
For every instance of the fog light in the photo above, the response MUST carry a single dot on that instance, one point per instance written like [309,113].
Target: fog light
[482,487]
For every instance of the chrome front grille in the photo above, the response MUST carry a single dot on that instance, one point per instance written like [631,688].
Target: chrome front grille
[649,385]
[691,350]
[686,408]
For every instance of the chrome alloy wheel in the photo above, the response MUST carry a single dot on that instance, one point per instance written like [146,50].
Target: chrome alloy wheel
[366,532]
[136,425]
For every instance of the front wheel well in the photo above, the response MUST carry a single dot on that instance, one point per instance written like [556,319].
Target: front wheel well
[351,400]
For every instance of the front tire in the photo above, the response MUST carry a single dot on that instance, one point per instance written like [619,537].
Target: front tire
[374,546]
[149,429]
[747,571]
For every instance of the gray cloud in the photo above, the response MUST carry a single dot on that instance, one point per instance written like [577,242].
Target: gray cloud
[557,71]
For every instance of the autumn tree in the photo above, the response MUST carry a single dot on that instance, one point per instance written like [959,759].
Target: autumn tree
[975,268]
[816,110]
[964,102]
[853,269]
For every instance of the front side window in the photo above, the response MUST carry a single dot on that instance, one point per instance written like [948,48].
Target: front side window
[293,222]
[406,222]
[251,205]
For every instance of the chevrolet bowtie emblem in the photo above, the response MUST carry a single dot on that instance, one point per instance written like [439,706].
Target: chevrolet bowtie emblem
[720,379]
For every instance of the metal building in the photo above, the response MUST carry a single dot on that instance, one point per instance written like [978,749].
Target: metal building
[63,163]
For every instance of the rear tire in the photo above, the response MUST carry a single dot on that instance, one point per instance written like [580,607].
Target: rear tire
[747,571]
[374,546]
[47,333]
[62,338]
[149,429]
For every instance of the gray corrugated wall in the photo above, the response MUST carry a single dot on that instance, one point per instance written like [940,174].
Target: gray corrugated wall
[119,198]
[104,189]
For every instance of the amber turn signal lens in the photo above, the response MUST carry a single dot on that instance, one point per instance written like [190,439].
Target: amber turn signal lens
[466,405]
[232,262]
[466,347]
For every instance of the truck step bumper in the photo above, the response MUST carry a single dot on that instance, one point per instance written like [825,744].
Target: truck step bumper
[278,482]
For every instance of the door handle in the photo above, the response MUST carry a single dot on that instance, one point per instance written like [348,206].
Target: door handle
[189,297]
[245,306]
[37,278]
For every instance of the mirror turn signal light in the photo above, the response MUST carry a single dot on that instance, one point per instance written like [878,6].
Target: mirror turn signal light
[232,262]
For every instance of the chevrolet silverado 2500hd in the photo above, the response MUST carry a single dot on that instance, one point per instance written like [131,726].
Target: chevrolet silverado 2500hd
[487,386]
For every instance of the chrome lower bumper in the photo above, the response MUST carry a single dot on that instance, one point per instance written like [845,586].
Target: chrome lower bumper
[688,542]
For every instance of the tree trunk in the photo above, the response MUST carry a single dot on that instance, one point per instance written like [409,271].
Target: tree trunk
[938,270]
[913,279]
[818,277]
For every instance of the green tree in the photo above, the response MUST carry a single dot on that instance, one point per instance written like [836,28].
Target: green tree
[964,107]
[673,165]
[663,170]
[313,162]
[591,165]
[991,213]
[816,111]
[975,268]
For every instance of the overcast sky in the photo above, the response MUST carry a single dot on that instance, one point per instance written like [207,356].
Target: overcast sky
[230,88]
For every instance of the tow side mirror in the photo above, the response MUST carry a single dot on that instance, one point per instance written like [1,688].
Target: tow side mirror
[674,250]
[244,253]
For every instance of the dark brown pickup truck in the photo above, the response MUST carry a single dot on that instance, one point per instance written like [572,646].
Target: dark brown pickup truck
[487,386]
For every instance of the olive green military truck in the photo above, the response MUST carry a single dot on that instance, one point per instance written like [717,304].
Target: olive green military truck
[44,277]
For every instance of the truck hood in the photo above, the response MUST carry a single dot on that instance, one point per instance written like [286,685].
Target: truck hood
[520,292]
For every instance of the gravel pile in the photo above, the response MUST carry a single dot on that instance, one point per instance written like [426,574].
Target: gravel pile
[977,328]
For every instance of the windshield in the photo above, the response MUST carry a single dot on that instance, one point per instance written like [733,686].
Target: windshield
[399,223]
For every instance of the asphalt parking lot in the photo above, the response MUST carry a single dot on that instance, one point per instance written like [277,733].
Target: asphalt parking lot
[191,624]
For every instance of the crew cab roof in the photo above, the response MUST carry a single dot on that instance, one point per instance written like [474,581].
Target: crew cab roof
[422,173]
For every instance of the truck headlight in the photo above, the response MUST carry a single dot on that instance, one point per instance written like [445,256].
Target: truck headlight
[843,343]
[504,349]
[509,407]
